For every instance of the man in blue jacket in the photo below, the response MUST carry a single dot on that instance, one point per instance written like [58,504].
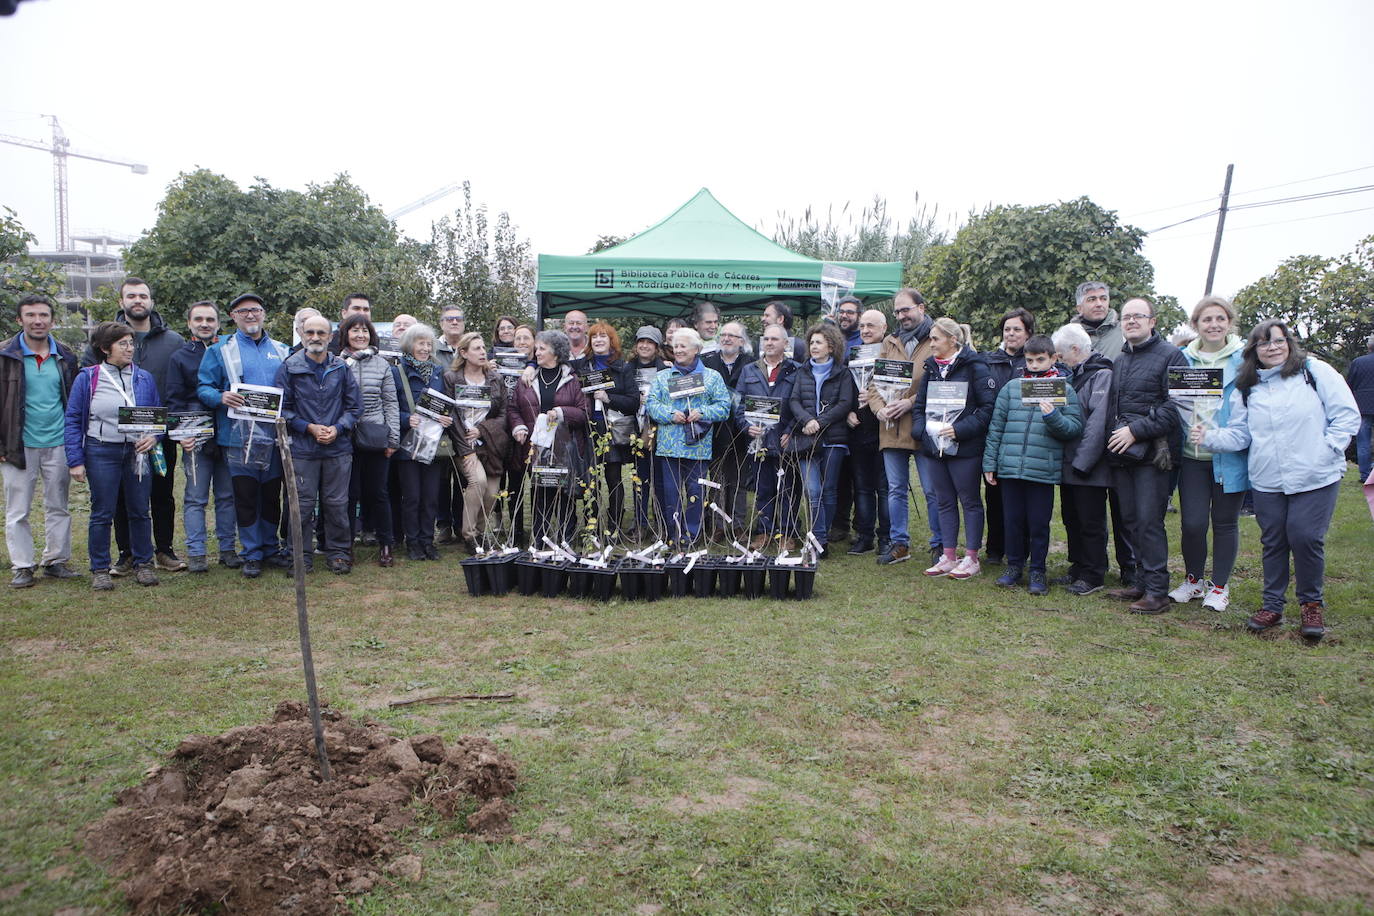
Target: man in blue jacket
[1361,381]
[247,356]
[321,404]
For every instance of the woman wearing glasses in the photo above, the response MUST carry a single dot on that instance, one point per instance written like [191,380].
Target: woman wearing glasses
[1296,416]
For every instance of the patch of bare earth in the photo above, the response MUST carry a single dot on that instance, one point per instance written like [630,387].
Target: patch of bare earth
[1313,875]
[738,795]
[242,821]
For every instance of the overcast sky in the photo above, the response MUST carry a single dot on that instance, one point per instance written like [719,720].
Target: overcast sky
[583,119]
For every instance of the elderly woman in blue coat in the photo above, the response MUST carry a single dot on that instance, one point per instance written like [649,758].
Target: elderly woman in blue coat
[109,459]
[1296,416]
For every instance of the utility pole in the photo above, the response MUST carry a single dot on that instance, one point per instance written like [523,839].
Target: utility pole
[1221,224]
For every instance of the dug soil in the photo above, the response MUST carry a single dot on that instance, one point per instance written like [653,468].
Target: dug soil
[241,822]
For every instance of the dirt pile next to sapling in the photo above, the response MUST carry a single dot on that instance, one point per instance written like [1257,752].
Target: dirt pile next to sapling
[242,821]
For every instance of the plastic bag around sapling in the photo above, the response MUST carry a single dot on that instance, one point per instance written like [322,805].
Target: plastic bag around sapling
[421,442]
[258,444]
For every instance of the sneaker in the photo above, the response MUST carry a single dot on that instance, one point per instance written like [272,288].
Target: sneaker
[895,554]
[123,566]
[168,561]
[936,553]
[1218,598]
[101,581]
[23,577]
[944,567]
[1313,626]
[230,560]
[1010,578]
[60,570]
[251,569]
[1264,620]
[144,575]
[967,568]
[197,564]
[1191,589]
[1079,587]
[1038,585]
[861,545]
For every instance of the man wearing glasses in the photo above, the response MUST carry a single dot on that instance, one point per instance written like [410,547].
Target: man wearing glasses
[847,320]
[453,324]
[1143,445]
[247,356]
[1098,318]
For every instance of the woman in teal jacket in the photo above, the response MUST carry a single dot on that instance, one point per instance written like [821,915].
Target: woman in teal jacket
[1211,486]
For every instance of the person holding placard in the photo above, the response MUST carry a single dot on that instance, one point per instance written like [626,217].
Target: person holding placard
[611,416]
[1294,416]
[419,479]
[1035,414]
[950,419]
[480,392]
[823,397]
[684,400]
[110,458]
[865,460]
[642,368]
[194,432]
[765,388]
[1210,486]
[1004,364]
[547,418]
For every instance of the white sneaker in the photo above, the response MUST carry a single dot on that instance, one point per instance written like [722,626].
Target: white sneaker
[968,568]
[1218,598]
[1190,590]
[943,568]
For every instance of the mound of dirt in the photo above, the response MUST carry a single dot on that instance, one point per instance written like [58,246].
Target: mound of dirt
[242,822]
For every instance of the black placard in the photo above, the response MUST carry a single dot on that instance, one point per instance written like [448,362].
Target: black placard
[146,420]
[898,372]
[686,386]
[762,411]
[434,404]
[475,396]
[1189,382]
[596,380]
[190,424]
[1051,390]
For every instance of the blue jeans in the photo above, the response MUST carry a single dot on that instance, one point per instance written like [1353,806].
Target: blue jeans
[822,477]
[1362,451]
[775,498]
[257,507]
[870,494]
[207,472]
[110,465]
[682,496]
[958,482]
[897,468]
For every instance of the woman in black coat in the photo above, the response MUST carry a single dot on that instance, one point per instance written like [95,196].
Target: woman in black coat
[822,399]
[611,416]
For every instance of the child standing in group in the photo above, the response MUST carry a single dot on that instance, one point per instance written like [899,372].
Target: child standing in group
[1023,456]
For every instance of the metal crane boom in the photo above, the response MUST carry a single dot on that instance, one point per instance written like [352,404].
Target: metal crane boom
[429,198]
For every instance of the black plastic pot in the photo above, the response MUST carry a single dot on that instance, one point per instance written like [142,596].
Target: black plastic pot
[651,583]
[676,586]
[752,578]
[777,581]
[631,580]
[500,572]
[474,576]
[804,582]
[527,575]
[727,579]
[603,581]
[553,577]
[579,580]
[704,577]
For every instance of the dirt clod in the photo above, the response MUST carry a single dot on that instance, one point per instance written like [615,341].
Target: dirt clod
[241,821]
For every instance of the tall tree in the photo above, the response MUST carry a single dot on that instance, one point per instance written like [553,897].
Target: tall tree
[1328,302]
[21,275]
[1034,257]
[868,236]
[485,268]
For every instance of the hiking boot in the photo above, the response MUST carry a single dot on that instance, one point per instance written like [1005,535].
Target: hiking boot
[1151,605]
[1038,585]
[895,554]
[431,552]
[1129,593]
[123,566]
[1264,620]
[23,578]
[144,575]
[280,560]
[197,564]
[1313,626]
[101,581]
[230,560]
[446,535]
[966,568]
[1191,589]
[1218,598]
[340,566]
[60,570]
[168,561]
[861,545]
[943,567]
[415,552]
[1010,578]
[1079,587]
[251,569]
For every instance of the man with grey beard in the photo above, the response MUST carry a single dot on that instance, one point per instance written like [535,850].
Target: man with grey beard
[321,404]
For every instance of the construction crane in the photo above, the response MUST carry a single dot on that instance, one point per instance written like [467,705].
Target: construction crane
[429,198]
[60,147]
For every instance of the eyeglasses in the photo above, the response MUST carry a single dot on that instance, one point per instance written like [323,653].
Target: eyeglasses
[254,310]
[1135,317]
[126,344]
[455,318]
[1273,344]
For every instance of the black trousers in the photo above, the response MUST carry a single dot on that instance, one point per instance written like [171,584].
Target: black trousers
[163,506]
[1143,491]
[1084,510]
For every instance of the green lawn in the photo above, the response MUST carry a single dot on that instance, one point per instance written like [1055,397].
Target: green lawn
[895,746]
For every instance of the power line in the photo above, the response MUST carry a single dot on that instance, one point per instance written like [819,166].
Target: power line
[1363,168]
[1190,219]
[1319,195]
[1277,222]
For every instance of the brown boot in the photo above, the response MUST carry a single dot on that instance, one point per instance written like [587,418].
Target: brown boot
[1130,593]
[1313,625]
[759,542]
[1150,604]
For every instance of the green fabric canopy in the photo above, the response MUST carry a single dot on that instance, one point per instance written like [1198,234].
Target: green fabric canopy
[701,251]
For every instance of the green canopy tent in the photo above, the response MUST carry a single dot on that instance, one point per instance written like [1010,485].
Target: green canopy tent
[701,251]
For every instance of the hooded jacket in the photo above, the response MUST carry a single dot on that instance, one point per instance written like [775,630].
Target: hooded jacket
[1106,337]
[1025,444]
[1085,462]
[183,376]
[1228,468]
[971,423]
[77,419]
[12,394]
[332,399]
[915,351]
[153,353]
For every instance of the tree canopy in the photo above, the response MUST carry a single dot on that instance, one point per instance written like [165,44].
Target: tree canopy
[1328,302]
[21,275]
[1034,258]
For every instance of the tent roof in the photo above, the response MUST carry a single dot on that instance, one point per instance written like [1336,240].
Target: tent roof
[700,251]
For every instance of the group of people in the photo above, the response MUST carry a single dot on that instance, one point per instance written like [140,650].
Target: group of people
[431,436]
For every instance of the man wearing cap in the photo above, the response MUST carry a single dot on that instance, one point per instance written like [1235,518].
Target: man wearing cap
[644,364]
[248,356]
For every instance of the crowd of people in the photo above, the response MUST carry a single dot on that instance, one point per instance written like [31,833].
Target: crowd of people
[692,435]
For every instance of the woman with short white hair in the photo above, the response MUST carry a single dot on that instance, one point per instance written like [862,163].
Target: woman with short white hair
[1083,494]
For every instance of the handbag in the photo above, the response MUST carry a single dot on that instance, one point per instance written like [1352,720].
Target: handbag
[623,426]
[369,436]
[1136,454]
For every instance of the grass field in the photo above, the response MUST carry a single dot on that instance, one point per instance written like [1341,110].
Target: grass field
[895,746]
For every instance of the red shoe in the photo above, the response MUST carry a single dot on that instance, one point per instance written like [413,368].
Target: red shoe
[1313,626]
